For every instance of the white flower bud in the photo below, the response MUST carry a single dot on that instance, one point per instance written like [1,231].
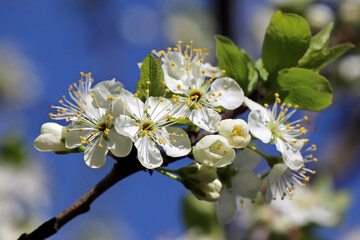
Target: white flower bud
[214,151]
[50,139]
[198,173]
[236,131]
[208,192]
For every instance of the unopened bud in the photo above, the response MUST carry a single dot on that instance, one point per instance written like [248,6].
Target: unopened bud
[236,131]
[208,192]
[51,138]
[214,151]
[198,173]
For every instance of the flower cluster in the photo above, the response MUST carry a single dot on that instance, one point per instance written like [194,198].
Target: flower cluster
[108,120]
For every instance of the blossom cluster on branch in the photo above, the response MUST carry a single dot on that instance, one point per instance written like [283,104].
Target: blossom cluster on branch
[179,93]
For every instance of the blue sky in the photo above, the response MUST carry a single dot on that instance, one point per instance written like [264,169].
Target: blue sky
[63,38]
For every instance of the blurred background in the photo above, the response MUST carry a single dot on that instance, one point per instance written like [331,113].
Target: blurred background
[44,45]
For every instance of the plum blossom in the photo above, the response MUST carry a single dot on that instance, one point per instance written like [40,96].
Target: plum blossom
[148,126]
[95,128]
[236,131]
[91,113]
[282,180]
[80,93]
[51,138]
[214,151]
[271,126]
[197,86]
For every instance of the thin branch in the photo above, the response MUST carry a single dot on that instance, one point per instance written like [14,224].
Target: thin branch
[122,169]
[129,166]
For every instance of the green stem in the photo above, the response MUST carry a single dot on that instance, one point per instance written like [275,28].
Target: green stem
[167,172]
[258,152]
[270,159]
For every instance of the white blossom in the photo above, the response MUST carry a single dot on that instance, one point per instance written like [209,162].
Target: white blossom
[271,126]
[197,87]
[80,94]
[149,127]
[51,138]
[236,131]
[92,112]
[214,151]
[95,128]
[281,181]
[243,186]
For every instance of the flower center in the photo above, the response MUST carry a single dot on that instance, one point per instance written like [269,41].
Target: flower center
[147,125]
[195,95]
[102,127]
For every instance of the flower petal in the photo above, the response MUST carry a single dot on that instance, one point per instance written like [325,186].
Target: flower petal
[118,144]
[246,183]
[252,105]
[74,137]
[133,104]
[118,107]
[148,153]
[214,151]
[257,122]
[227,92]
[49,143]
[181,111]
[100,99]
[246,159]
[211,70]
[111,86]
[95,155]
[52,128]
[206,118]
[226,206]
[178,143]
[291,154]
[126,126]
[158,110]
[275,173]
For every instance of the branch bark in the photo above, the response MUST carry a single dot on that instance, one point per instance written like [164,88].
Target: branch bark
[129,165]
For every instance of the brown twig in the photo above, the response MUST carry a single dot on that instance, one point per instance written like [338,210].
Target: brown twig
[122,169]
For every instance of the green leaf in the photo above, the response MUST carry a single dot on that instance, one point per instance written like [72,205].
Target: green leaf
[232,60]
[321,40]
[151,70]
[318,55]
[317,60]
[286,40]
[262,71]
[253,76]
[307,89]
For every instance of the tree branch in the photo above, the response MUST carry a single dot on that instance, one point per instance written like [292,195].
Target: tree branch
[129,165]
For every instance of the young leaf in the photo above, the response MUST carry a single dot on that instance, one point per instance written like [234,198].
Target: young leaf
[317,60]
[286,40]
[151,71]
[253,74]
[232,60]
[307,89]
[318,55]
[259,66]
[321,40]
